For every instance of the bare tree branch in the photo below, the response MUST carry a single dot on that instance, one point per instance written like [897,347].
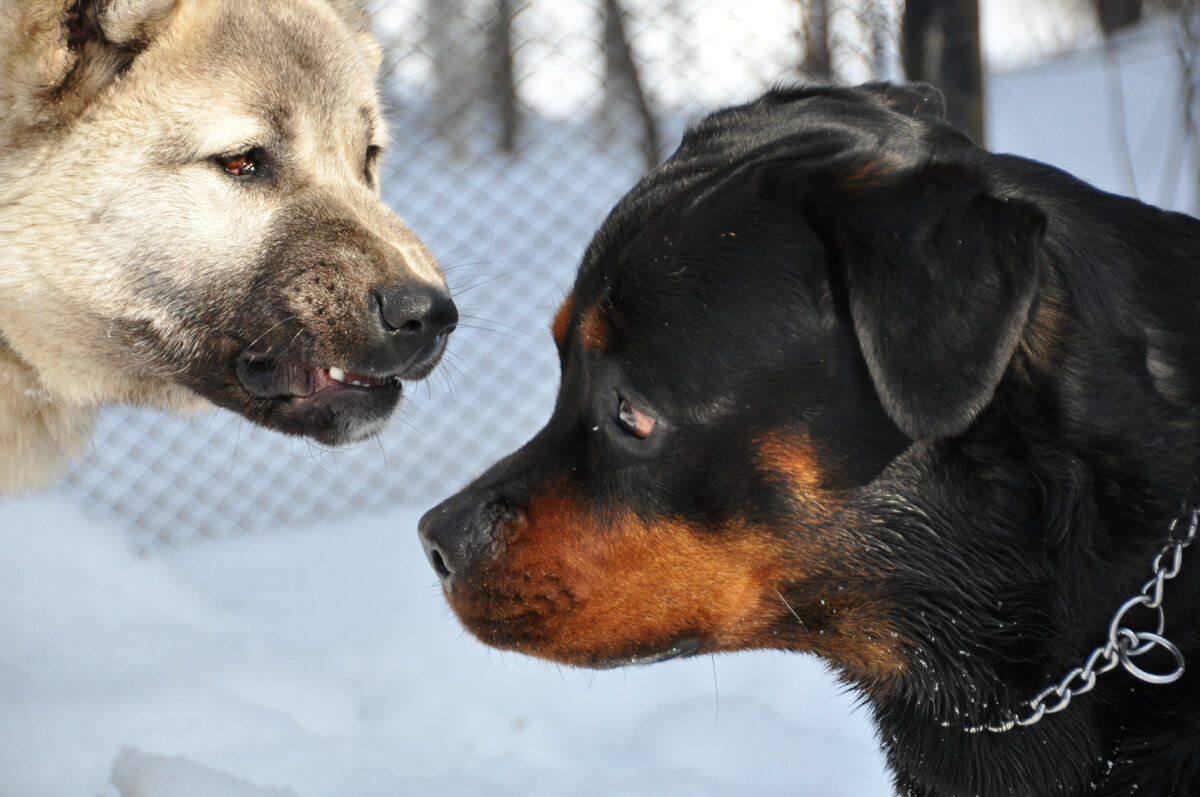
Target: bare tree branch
[622,70]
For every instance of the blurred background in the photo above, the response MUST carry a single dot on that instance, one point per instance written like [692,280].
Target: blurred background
[201,605]
[518,123]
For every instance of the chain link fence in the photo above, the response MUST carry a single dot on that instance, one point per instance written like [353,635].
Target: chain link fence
[508,219]
[516,124]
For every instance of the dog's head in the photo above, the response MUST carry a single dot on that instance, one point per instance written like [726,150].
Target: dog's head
[191,206]
[812,282]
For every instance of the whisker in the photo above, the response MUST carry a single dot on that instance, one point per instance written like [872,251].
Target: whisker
[716,692]
[790,609]
[290,343]
[270,329]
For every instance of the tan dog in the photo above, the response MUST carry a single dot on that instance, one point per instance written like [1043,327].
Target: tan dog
[189,212]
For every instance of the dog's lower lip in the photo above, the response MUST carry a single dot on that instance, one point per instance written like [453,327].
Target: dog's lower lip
[680,649]
[298,383]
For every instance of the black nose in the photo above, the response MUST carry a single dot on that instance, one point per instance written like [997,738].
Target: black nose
[458,533]
[418,318]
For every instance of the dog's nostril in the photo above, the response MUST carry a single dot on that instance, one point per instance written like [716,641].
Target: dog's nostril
[439,564]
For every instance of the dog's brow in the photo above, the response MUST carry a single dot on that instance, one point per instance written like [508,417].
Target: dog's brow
[232,133]
[595,328]
[562,319]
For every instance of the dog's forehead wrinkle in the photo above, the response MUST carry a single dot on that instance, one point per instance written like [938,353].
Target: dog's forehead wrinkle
[307,66]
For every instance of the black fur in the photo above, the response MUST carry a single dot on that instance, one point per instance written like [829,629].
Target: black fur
[997,368]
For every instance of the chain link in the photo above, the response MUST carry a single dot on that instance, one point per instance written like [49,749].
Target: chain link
[1124,644]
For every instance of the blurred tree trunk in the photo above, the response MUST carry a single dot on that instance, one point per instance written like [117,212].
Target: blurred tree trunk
[622,74]
[504,87]
[939,44]
[818,62]
[1116,14]
[453,51]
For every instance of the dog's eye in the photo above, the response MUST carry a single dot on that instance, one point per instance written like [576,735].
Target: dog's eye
[243,165]
[633,420]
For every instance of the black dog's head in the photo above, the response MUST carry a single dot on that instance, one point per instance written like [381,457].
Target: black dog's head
[836,380]
[759,328]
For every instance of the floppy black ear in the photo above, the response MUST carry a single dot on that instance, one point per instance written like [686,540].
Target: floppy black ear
[939,278]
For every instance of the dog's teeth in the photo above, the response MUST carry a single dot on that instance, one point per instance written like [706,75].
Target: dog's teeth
[356,383]
[337,374]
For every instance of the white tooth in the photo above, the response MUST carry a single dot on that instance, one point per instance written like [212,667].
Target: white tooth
[356,383]
[337,374]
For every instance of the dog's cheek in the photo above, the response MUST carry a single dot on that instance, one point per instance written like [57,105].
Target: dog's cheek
[835,605]
[585,588]
[790,461]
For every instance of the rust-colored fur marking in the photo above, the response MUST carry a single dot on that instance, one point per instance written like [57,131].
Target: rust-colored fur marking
[594,329]
[562,321]
[583,588]
[793,457]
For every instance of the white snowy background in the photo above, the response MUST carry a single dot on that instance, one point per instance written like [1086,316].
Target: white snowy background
[322,661]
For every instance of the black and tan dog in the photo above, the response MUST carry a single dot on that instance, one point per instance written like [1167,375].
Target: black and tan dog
[836,380]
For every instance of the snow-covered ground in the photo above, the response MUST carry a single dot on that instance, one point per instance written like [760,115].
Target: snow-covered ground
[324,663]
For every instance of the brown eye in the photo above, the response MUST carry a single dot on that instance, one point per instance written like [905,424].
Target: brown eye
[246,164]
[633,420]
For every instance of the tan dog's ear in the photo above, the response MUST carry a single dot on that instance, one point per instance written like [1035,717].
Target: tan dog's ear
[358,21]
[129,23]
[65,53]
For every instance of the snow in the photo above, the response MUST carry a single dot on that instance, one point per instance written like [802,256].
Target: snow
[136,774]
[325,662]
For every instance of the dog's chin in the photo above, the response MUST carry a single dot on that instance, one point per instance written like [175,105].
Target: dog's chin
[539,641]
[683,648]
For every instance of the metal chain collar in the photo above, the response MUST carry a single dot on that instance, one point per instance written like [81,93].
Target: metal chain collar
[1124,644]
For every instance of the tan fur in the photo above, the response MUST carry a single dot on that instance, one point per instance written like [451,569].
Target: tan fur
[127,259]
